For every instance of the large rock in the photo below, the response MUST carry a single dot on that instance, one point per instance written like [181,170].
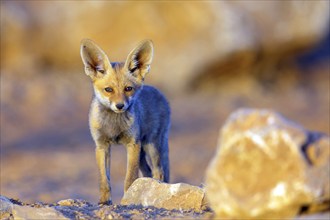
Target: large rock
[317,151]
[150,192]
[267,167]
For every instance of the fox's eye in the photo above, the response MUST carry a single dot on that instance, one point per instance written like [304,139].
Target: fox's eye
[128,89]
[108,89]
[101,71]
[133,69]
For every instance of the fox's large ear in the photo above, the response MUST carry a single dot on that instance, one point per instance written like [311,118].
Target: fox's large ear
[94,58]
[139,60]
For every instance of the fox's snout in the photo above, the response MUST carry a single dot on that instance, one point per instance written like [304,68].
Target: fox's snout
[118,103]
[119,107]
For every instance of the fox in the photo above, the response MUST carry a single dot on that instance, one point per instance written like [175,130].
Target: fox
[124,111]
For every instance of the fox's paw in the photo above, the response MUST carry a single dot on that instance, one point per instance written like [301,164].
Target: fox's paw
[108,202]
[158,174]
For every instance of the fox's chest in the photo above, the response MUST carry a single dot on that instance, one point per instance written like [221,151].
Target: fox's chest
[116,127]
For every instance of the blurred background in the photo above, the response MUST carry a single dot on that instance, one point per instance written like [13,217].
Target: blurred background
[211,57]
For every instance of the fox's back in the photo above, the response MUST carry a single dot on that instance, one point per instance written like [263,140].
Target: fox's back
[152,111]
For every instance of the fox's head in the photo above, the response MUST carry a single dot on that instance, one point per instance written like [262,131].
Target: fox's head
[116,84]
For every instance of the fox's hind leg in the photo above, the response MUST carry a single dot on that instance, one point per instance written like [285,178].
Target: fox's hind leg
[144,167]
[165,160]
[154,161]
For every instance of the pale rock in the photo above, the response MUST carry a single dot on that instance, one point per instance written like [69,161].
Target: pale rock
[28,212]
[267,167]
[150,192]
[8,210]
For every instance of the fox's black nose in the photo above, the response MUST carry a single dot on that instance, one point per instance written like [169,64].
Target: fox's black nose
[120,106]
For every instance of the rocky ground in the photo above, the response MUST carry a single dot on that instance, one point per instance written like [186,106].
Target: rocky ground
[81,209]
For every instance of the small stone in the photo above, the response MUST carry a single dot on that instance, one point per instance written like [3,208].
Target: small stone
[150,192]
[134,212]
[66,202]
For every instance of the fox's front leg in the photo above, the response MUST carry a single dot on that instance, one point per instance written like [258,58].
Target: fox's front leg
[133,163]
[102,153]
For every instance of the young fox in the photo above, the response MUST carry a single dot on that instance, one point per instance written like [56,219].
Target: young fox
[124,111]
